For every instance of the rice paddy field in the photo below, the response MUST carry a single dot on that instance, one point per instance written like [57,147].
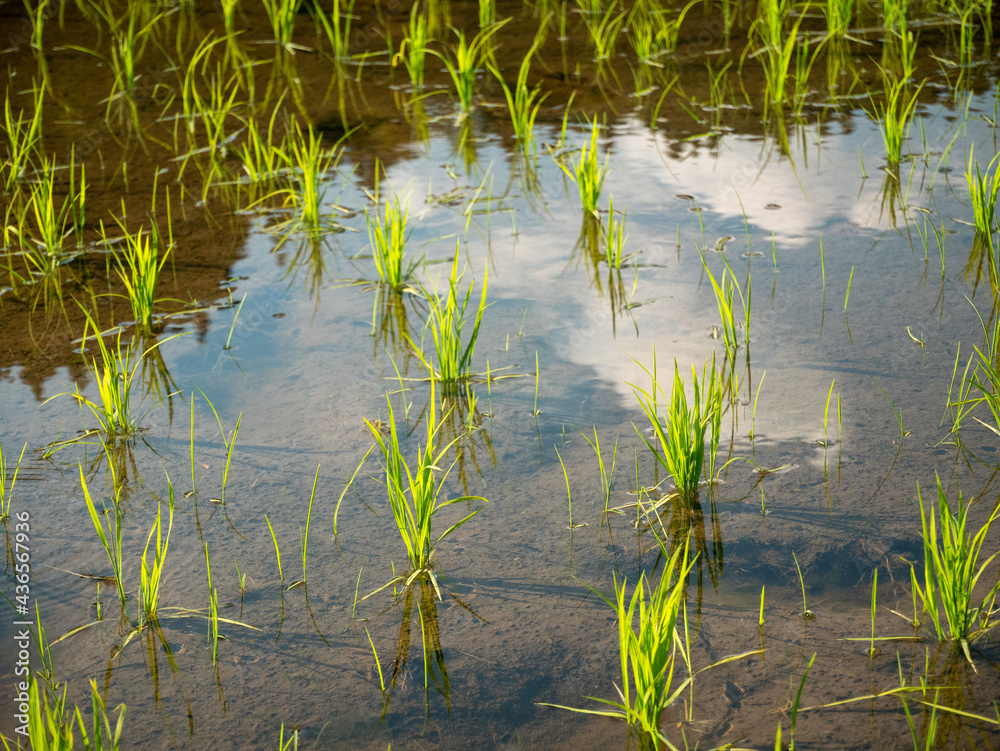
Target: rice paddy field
[439,375]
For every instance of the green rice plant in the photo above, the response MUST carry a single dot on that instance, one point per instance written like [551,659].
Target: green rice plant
[114,374]
[305,536]
[387,235]
[650,639]
[213,610]
[983,192]
[7,488]
[775,44]
[894,117]
[277,550]
[894,13]
[50,724]
[281,14]
[614,239]
[150,577]
[464,60]
[724,295]
[760,615]
[44,243]
[680,445]
[414,494]
[139,268]
[522,104]
[588,172]
[604,29]
[337,27]
[293,740]
[952,570]
[607,478]
[806,612]
[487,13]
[446,322]
[101,737]
[647,642]
[534,410]
[413,49]
[838,17]
[229,443]
[110,541]
[653,31]
[310,164]
[22,133]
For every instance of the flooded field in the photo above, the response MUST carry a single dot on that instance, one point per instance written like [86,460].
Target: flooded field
[410,374]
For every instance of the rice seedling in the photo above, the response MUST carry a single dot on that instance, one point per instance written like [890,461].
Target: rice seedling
[838,17]
[522,104]
[487,13]
[281,14]
[277,550]
[607,478]
[310,164]
[826,414]
[650,638]
[139,268]
[44,243]
[847,294]
[806,612]
[305,536]
[724,294]
[605,28]
[894,117]
[388,235]
[50,724]
[983,192]
[22,134]
[151,576]
[446,322]
[614,239]
[464,60]
[775,45]
[114,376]
[338,26]
[102,737]
[7,482]
[534,410]
[952,569]
[680,446]
[229,443]
[760,616]
[413,49]
[241,578]
[753,413]
[293,740]
[213,610]
[110,541]
[414,494]
[794,714]
[588,172]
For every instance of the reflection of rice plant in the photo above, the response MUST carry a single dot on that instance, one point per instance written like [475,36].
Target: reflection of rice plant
[680,446]
[338,26]
[588,172]
[952,570]
[446,322]
[983,192]
[614,239]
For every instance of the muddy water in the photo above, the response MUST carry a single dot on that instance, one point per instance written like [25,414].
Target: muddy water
[809,213]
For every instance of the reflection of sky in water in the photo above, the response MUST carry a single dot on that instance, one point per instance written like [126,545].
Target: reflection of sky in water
[819,191]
